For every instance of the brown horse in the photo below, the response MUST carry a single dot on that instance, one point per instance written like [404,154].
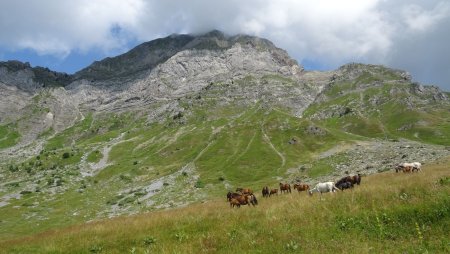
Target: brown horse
[231,195]
[301,187]
[265,192]
[234,202]
[285,187]
[245,199]
[244,190]
[356,179]
[273,192]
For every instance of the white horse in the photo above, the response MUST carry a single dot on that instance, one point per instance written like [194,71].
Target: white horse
[417,166]
[323,187]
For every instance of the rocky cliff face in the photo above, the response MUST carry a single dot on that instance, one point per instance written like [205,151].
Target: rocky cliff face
[154,76]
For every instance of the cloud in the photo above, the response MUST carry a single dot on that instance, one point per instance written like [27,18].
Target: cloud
[403,33]
[59,27]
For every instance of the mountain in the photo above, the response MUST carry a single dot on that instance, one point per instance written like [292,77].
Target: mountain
[187,117]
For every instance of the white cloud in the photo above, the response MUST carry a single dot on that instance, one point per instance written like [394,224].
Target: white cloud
[332,32]
[58,27]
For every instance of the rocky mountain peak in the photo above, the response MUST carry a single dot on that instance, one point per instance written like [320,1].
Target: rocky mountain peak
[27,78]
[145,57]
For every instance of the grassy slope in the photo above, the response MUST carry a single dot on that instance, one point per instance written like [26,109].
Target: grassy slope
[250,150]
[385,109]
[8,136]
[388,213]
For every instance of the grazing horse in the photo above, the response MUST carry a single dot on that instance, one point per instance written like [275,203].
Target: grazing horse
[231,195]
[285,187]
[265,192]
[356,179]
[273,192]
[323,188]
[244,190]
[301,187]
[344,185]
[407,169]
[417,166]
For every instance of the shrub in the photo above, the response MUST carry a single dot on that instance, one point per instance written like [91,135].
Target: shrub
[199,184]
[66,155]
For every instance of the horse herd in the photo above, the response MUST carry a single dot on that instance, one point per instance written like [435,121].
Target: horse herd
[245,196]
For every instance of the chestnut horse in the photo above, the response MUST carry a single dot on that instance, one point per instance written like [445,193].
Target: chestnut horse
[301,187]
[244,190]
[285,187]
[273,192]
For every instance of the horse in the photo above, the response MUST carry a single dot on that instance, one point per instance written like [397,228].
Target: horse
[356,179]
[231,195]
[344,185]
[323,188]
[273,192]
[285,187]
[247,199]
[301,187]
[265,192]
[234,202]
[244,190]
[417,166]
[408,169]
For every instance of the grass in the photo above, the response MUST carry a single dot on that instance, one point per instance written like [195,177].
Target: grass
[9,136]
[388,213]
[374,112]
[94,156]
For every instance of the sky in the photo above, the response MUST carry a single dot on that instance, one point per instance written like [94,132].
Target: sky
[413,35]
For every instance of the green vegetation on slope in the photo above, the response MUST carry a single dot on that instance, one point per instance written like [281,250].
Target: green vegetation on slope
[378,105]
[8,136]
[388,212]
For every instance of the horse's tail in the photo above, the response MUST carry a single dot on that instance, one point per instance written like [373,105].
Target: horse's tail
[255,200]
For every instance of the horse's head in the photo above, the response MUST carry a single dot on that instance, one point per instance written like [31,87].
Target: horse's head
[229,195]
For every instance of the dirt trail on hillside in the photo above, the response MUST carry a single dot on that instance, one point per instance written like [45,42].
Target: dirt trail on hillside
[91,169]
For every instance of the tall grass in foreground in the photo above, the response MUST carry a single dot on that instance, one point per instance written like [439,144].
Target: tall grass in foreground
[387,213]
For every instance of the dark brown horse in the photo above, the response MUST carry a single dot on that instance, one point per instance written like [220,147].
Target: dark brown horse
[344,185]
[285,187]
[356,179]
[301,187]
[231,195]
[265,192]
